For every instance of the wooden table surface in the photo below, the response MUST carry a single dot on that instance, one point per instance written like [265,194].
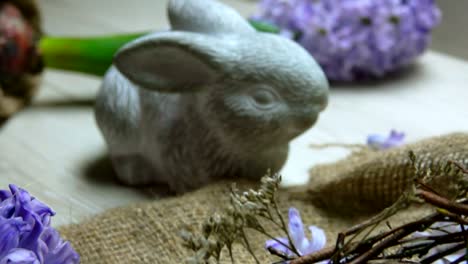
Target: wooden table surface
[54,150]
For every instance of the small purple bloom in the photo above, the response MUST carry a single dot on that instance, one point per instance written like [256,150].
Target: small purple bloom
[298,235]
[380,142]
[26,236]
[355,40]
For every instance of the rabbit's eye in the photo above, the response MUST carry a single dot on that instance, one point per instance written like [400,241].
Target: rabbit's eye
[264,97]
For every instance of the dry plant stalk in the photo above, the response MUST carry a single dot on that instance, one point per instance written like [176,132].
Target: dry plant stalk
[246,211]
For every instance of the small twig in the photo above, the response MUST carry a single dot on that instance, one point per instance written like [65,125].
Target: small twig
[386,213]
[273,238]
[423,185]
[442,202]
[376,250]
[340,243]
[453,216]
[387,223]
[393,236]
[442,254]
[278,253]
[401,203]
[272,219]
[459,165]
[249,248]
[420,249]
[338,145]
[320,255]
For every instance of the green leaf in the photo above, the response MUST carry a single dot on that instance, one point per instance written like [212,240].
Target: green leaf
[264,27]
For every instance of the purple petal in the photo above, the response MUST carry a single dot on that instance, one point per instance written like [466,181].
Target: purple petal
[376,140]
[58,250]
[29,240]
[296,229]
[317,241]
[10,231]
[379,142]
[22,204]
[4,194]
[20,256]
[7,208]
[278,246]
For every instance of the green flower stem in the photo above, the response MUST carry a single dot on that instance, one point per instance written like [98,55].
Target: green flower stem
[91,55]
[94,55]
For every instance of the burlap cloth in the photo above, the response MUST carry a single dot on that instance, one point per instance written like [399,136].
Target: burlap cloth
[148,232]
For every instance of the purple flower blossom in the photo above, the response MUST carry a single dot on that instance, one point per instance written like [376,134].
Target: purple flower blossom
[354,40]
[300,241]
[380,142]
[26,236]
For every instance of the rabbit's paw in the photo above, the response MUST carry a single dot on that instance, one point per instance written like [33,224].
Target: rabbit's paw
[133,169]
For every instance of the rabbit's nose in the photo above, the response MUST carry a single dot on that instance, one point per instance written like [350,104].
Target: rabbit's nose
[304,122]
[323,104]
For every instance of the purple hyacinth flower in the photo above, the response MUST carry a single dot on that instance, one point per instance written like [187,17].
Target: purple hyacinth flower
[380,142]
[301,242]
[355,40]
[26,236]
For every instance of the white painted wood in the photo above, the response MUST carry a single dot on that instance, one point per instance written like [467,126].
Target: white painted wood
[54,149]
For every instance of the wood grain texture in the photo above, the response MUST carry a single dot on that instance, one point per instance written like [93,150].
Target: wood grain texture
[54,149]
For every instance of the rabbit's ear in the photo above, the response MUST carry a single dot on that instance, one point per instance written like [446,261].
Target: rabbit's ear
[172,61]
[206,16]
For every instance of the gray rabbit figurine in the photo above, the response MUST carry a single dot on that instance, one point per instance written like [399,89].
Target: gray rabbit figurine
[211,98]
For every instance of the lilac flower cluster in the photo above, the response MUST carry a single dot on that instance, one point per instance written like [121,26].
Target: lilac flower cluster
[26,236]
[354,40]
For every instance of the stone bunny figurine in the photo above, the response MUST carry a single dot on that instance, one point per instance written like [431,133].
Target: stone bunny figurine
[211,98]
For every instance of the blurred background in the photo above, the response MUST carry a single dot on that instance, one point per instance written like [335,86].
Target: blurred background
[452,35]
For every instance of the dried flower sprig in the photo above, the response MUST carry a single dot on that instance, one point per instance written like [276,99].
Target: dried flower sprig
[248,210]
